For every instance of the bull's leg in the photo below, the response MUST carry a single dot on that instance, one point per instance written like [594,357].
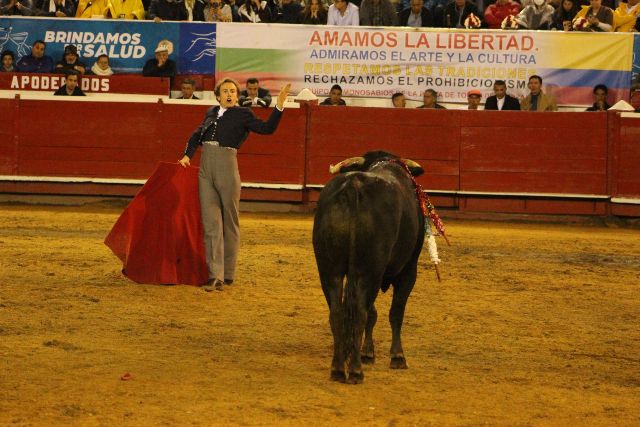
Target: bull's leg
[401,290]
[332,288]
[368,355]
[356,311]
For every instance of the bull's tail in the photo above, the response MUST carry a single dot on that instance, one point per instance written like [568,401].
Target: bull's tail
[353,322]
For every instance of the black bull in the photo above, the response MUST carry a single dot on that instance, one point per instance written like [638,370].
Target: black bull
[367,235]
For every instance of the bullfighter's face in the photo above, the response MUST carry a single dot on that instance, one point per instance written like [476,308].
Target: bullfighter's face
[228,95]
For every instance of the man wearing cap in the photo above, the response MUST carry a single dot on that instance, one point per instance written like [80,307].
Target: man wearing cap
[70,62]
[161,65]
[37,62]
[501,101]
[254,95]
[473,99]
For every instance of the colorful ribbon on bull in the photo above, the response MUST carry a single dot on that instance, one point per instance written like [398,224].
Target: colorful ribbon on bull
[429,212]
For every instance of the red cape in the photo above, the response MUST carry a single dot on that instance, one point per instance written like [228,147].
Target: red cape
[158,237]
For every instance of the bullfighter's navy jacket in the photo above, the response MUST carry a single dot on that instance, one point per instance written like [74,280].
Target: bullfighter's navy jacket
[232,128]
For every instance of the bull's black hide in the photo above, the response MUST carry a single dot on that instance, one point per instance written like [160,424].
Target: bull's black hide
[367,235]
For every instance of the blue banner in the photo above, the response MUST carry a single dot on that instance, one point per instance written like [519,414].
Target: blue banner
[129,44]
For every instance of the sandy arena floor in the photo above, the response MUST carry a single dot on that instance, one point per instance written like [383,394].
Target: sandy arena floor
[534,324]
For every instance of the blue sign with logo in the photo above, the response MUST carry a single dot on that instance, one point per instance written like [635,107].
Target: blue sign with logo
[129,44]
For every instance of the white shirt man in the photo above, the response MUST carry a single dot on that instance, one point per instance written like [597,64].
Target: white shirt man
[342,12]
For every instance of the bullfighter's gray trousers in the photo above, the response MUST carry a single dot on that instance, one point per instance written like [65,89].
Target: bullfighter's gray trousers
[219,189]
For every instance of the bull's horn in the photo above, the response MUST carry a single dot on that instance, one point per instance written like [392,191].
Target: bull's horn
[347,162]
[410,163]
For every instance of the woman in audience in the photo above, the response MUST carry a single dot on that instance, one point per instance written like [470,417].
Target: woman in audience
[217,11]
[564,15]
[599,17]
[70,62]
[101,67]
[194,10]
[7,62]
[17,7]
[314,13]
[58,8]
[255,11]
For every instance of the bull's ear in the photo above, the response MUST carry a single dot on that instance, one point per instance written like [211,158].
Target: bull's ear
[347,165]
[414,168]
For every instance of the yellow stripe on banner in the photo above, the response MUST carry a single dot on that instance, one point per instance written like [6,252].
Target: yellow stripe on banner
[609,51]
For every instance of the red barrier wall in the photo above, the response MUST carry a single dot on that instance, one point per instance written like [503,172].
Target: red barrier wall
[117,83]
[474,160]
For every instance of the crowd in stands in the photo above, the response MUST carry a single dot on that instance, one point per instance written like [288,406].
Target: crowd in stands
[562,15]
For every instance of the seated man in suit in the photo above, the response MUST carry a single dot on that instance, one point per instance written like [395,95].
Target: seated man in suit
[417,15]
[537,100]
[187,87]
[501,101]
[254,95]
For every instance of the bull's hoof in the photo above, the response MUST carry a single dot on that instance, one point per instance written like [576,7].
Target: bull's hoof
[338,376]
[398,362]
[368,359]
[355,378]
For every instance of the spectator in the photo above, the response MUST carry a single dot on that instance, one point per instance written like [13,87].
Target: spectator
[194,10]
[187,87]
[216,11]
[254,94]
[536,16]
[17,7]
[498,11]
[343,12]
[58,8]
[537,100]
[126,9]
[378,13]
[563,16]
[314,13]
[626,16]
[501,101]
[289,12]
[335,97]
[600,93]
[599,17]
[235,10]
[417,15]
[70,62]
[254,11]
[456,12]
[37,62]
[473,99]
[91,8]
[101,67]
[167,10]
[430,100]
[7,62]
[161,65]
[71,87]
[398,100]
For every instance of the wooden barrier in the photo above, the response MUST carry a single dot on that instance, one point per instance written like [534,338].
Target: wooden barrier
[570,163]
[117,83]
